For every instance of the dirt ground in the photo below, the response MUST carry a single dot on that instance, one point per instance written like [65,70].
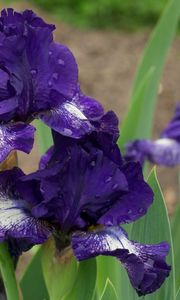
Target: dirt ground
[107,63]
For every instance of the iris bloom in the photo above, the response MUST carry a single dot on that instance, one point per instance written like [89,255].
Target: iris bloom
[38,79]
[165,151]
[81,195]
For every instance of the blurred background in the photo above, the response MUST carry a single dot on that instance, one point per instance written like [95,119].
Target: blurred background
[107,38]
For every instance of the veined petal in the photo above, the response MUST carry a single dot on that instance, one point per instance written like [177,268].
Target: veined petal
[172,131]
[67,119]
[164,151]
[17,136]
[16,220]
[145,264]
[131,205]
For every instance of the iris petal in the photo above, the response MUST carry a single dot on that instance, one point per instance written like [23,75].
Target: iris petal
[16,220]
[67,119]
[164,151]
[145,264]
[17,136]
[172,131]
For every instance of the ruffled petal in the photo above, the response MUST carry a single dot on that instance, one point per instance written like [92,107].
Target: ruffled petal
[172,131]
[17,136]
[165,151]
[83,188]
[89,106]
[63,70]
[131,205]
[16,220]
[67,119]
[145,264]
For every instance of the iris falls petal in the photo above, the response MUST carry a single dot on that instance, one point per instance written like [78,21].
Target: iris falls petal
[17,136]
[145,264]
[16,220]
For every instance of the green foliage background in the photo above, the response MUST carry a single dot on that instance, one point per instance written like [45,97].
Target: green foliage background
[128,14]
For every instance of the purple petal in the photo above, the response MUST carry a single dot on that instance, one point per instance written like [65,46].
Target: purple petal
[89,106]
[35,21]
[165,151]
[63,70]
[172,131]
[67,119]
[18,136]
[131,205]
[15,214]
[145,264]
[82,190]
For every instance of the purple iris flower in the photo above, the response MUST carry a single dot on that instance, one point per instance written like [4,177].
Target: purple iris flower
[38,79]
[81,195]
[165,151]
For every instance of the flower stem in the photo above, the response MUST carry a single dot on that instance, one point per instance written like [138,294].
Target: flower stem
[8,274]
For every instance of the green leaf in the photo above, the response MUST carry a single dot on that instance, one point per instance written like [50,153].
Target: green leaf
[153,228]
[32,282]
[109,292]
[178,295]
[8,273]
[175,227]
[84,287]
[59,269]
[138,122]
[108,268]
[44,136]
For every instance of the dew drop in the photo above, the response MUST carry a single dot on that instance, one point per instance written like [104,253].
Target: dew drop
[141,210]
[129,211]
[67,132]
[115,186]
[49,83]
[33,72]
[55,76]
[50,53]
[108,179]
[61,62]
[93,163]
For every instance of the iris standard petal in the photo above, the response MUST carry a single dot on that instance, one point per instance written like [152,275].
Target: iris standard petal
[17,136]
[145,264]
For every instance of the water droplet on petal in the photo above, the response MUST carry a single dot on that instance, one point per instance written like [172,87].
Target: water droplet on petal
[141,210]
[93,163]
[108,179]
[55,76]
[129,211]
[115,186]
[49,83]
[67,132]
[61,62]
[50,53]
[33,72]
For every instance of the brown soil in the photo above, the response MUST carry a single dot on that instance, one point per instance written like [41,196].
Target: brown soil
[107,63]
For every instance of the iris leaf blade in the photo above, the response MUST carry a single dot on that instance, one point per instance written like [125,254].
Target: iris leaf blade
[85,283]
[44,136]
[178,295]
[175,227]
[33,277]
[109,292]
[143,97]
[153,228]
